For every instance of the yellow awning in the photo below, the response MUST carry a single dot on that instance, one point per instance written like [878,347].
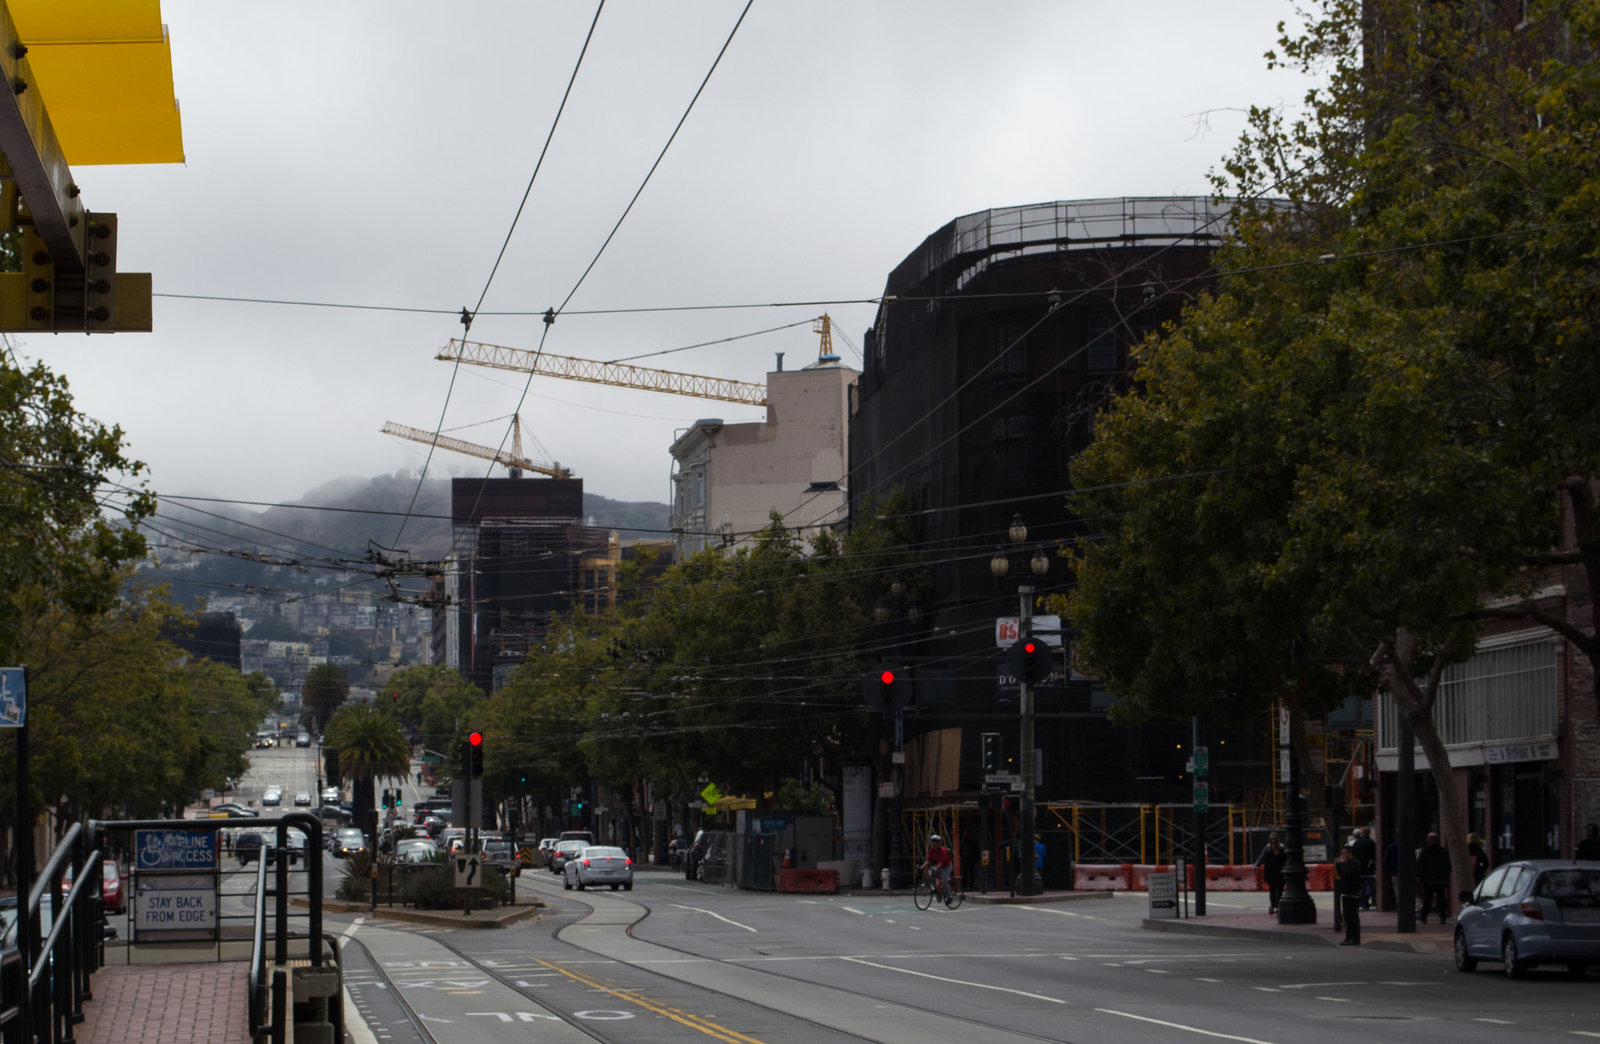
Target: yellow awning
[104,70]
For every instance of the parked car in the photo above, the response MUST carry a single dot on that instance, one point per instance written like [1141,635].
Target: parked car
[1529,913]
[563,851]
[113,898]
[233,810]
[599,865]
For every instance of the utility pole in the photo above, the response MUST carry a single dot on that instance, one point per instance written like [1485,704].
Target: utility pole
[1027,874]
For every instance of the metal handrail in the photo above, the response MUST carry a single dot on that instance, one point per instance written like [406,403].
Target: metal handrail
[47,980]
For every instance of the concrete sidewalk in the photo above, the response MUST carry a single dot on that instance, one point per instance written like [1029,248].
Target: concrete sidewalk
[168,1004]
[1377,930]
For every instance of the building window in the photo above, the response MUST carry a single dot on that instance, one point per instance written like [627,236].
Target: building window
[1102,343]
[1503,693]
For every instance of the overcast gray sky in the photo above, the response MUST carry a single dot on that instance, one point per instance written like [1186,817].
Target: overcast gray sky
[367,153]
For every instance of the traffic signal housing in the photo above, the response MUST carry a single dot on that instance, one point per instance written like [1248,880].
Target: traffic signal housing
[475,756]
[887,688]
[992,753]
[1029,660]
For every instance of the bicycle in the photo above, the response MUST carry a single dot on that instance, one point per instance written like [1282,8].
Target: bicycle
[923,892]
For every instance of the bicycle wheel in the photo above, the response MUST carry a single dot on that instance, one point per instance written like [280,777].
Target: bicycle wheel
[957,896]
[922,895]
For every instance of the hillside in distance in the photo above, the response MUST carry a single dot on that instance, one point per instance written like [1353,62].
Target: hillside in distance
[203,549]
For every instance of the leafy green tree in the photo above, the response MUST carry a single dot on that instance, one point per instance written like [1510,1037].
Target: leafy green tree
[369,746]
[740,666]
[324,691]
[1375,425]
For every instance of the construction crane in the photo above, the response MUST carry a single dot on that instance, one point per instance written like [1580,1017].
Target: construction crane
[622,375]
[514,461]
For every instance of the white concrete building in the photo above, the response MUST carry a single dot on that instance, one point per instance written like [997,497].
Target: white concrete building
[727,479]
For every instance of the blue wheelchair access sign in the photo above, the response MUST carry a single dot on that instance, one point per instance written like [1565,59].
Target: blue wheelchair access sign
[13,698]
[175,850]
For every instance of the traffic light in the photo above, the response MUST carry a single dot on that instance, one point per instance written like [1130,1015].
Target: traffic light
[887,688]
[394,699]
[386,799]
[475,756]
[398,800]
[1029,660]
[991,752]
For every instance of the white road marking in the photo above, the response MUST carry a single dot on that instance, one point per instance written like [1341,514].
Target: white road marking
[851,909]
[958,982]
[1500,1022]
[1217,981]
[1181,1026]
[713,913]
[1335,1000]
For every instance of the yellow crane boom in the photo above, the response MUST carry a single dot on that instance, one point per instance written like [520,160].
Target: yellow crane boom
[620,375]
[514,461]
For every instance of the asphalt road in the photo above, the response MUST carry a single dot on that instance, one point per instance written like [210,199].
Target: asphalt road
[680,961]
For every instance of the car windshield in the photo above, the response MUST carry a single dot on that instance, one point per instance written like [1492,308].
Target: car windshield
[570,847]
[602,852]
[352,834]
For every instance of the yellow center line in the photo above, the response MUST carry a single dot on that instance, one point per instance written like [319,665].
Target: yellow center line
[676,1015]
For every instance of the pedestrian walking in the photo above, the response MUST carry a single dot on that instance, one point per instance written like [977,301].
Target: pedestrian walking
[1271,862]
[1347,891]
[1433,872]
[1366,851]
[1480,858]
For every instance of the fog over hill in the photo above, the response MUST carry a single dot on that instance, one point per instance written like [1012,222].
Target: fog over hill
[203,547]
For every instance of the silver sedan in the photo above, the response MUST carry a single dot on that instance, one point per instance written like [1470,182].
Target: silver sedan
[599,865]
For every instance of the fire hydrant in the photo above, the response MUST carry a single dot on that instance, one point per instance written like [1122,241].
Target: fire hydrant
[885,874]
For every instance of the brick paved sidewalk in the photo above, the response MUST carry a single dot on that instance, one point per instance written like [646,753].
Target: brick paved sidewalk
[168,1004]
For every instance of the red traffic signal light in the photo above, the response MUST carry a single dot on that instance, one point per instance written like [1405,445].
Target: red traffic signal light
[1029,660]
[476,739]
[886,688]
[395,696]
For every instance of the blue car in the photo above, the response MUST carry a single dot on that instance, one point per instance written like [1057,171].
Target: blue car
[1544,911]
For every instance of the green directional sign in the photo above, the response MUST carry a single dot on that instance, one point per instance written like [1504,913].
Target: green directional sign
[1202,761]
[711,795]
[1202,796]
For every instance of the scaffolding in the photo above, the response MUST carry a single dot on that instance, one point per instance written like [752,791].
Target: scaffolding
[1140,834]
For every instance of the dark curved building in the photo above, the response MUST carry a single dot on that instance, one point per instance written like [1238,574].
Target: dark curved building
[997,341]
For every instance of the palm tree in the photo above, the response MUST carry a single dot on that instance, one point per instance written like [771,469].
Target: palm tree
[369,746]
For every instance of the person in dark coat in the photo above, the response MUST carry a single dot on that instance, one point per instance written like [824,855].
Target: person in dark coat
[1366,851]
[1433,872]
[1271,862]
[1347,889]
[1480,858]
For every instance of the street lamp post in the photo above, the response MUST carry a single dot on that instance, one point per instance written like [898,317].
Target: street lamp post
[1039,564]
[1296,905]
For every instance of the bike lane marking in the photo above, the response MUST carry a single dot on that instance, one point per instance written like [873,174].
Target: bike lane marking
[713,913]
[957,982]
